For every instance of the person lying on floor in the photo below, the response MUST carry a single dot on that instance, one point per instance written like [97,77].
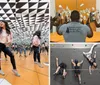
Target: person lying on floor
[61,69]
[91,60]
[77,66]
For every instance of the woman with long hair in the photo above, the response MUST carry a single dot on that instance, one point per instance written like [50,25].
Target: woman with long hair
[5,39]
[36,46]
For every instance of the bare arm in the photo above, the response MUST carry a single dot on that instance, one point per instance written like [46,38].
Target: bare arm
[72,62]
[88,24]
[81,62]
[57,62]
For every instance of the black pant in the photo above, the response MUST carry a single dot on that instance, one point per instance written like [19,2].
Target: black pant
[9,53]
[36,53]
[46,48]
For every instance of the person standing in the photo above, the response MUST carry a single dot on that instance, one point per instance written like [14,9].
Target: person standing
[4,40]
[36,46]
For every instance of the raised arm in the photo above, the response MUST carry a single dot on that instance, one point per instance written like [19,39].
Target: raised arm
[72,61]
[56,61]
[81,62]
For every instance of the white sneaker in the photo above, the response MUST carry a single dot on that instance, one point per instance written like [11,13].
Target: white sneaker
[2,73]
[40,65]
[16,73]
[36,62]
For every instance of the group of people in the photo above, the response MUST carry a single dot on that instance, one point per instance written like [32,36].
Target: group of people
[72,25]
[91,58]
[6,40]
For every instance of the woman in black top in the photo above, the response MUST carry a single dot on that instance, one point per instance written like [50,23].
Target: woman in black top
[77,66]
[61,69]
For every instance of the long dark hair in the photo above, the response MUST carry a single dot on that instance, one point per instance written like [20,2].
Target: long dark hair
[38,33]
[6,27]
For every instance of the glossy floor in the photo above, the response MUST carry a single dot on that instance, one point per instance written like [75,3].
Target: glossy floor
[31,74]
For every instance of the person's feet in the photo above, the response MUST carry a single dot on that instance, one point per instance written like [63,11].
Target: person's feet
[40,65]
[79,82]
[35,62]
[54,74]
[64,75]
[2,73]
[16,73]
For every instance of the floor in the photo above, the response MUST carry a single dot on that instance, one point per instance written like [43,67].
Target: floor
[65,55]
[31,74]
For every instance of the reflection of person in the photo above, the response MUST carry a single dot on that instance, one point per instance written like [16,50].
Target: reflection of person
[77,66]
[61,69]
[75,31]
[5,40]
[31,48]
[91,60]
[46,47]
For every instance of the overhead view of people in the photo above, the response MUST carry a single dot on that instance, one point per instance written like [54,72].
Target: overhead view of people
[77,67]
[77,63]
[61,68]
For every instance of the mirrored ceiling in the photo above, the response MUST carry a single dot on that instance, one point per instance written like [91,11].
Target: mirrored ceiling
[25,17]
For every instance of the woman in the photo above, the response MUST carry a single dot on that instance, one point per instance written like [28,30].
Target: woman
[77,66]
[91,60]
[36,46]
[61,69]
[5,39]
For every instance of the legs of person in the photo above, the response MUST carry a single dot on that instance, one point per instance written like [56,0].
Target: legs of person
[94,55]
[91,50]
[20,52]
[31,49]
[38,57]
[79,77]
[9,53]
[1,72]
[90,70]
[24,52]
[64,73]
[34,55]
[5,56]
[46,48]
[57,70]
[0,60]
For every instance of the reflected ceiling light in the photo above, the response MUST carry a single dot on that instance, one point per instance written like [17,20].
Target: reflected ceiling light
[81,5]
[93,8]
[60,6]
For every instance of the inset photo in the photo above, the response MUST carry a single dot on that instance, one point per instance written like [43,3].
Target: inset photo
[75,64]
[75,21]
